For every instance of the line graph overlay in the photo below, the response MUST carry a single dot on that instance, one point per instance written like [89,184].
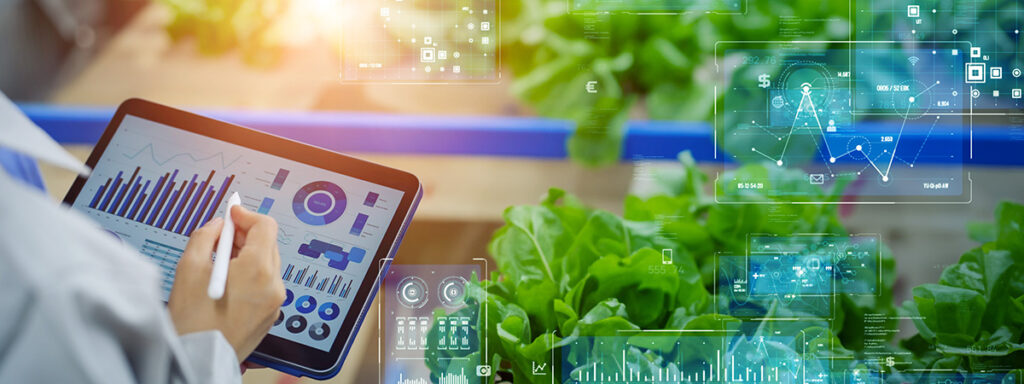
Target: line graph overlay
[863,113]
[224,162]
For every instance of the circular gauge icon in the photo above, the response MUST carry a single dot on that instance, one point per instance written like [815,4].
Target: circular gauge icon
[280,317]
[319,331]
[319,203]
[807,87]
[288,297]
[451,291]
[412,292]
[305,304]
[296,324]
[329,311]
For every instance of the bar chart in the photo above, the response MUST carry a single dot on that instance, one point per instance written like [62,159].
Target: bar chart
[170,205]
[311,278]
[687,359]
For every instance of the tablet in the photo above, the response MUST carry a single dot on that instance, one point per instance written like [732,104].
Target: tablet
[159,173]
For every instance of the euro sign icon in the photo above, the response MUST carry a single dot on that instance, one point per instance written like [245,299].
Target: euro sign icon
[763,81]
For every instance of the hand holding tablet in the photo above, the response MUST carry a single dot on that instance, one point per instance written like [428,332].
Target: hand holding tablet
[160,174]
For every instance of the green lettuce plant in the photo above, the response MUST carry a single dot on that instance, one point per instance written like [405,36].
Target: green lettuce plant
[658,66]
[566,271]
[974,315]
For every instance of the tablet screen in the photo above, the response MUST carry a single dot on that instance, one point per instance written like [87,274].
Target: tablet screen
[155,184]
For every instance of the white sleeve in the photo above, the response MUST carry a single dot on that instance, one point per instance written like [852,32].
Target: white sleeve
[87,329]
[212,358]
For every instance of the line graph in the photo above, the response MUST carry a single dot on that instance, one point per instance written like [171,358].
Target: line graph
[806,105]
[148,149]
[864,116]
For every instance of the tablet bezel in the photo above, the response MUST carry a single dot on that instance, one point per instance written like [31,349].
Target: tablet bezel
[274,350]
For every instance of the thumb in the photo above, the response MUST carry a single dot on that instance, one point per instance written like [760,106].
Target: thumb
[243,218]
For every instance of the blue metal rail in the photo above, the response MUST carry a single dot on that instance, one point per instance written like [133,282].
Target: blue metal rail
[479,136]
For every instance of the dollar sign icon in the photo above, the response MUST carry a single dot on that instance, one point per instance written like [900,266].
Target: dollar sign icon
[763,81]
[890,361]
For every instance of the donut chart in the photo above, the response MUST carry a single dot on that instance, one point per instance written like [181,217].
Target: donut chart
[288,297]
[319,203]
[329,311]
[305,304]
[319,331]
[296,324]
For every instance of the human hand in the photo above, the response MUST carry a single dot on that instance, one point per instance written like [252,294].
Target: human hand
[254,291]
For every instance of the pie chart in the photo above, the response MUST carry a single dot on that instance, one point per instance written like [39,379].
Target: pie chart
[319,203]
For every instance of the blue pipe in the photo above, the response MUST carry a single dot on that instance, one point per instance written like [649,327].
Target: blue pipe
[528,137]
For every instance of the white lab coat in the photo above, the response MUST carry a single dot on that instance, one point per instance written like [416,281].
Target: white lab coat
[77,306]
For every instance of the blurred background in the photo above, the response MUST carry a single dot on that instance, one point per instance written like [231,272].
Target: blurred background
[501,139]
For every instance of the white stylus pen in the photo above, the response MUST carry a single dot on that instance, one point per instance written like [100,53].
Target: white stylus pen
[219,275]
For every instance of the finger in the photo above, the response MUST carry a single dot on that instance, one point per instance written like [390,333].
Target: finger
[260,230]
[240,236]
[244,218]
[200,245]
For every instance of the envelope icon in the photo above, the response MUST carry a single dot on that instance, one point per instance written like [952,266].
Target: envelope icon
[817,178]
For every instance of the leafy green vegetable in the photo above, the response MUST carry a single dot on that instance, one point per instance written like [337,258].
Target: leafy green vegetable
[975,314]
[658,66]
[568,272]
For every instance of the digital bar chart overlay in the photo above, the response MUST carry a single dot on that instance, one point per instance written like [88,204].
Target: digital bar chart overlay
[685,359]
[168,205]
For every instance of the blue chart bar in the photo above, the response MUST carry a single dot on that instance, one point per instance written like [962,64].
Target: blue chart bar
[99,194]
[357,226]
[192,204]
[138,202]
[162,199]
[129,199]
[110,192]
[265,206]
[346,289]
[371,199]
[220,196]
[177,207]
[120,193]
[202,208]
[282,174]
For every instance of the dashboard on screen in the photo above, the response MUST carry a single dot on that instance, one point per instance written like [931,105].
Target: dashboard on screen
[155,184]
